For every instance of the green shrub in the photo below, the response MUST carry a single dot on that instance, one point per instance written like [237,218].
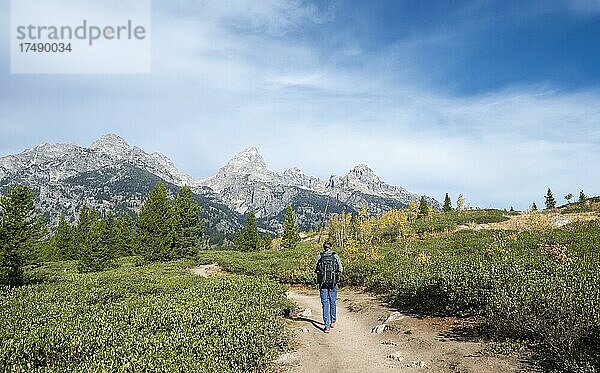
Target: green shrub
[541,287]
[148,318]
[450,220]
[289,266]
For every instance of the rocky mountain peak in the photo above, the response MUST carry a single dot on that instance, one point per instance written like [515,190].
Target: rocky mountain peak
[362,170]
[247,161]
[50,150]
[111,144]
[363,174]
[246,165]
[293,171]
[364,180]
[296,177]
[250,155]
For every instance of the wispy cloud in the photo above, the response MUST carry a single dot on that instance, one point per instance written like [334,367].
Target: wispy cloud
[231,75]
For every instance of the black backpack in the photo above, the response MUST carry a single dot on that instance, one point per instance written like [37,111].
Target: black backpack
[327,271]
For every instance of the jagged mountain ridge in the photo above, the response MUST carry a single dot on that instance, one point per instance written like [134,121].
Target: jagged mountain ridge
[109,175]
[245,183]
[112,175]
[65,160]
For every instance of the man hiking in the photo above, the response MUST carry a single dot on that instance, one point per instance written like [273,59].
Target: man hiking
[328,267]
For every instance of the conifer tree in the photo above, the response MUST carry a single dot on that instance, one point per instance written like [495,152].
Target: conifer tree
[251,239]
[3,264]
[290,238]
[111,229]
[423,208]
[123,235]
[86,218]
[550,201]
[62,242]
[238,240]
[582,196]
[447,204]
[97,253]
[533,207]
[20,232]
[185,224]
[153,225]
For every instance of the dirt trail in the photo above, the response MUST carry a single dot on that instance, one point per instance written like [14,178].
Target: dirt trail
[207,270]
[408,344]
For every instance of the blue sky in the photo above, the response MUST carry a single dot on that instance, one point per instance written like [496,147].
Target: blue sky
[498,100]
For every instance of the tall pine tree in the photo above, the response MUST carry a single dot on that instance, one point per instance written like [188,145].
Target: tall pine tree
[153,225]
[62,241]
[447,204]
[290,238]
[582,196]
[238,240]
[124,238]
[20,232]
[86,218]
[111,229]
[251,239]
[550,201]
[185,224]
[423,208]
[97,252]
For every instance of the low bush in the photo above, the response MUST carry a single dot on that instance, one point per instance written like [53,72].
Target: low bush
[446,221]
[538,286]
[288,266]
[148,318]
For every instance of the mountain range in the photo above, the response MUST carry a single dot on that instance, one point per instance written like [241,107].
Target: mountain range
[112,175]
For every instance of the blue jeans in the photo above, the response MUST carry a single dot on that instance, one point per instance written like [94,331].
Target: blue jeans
[328,298]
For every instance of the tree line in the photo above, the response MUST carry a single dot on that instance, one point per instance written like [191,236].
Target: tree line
[550,201]
[169,228]
[249,238]
[166,228]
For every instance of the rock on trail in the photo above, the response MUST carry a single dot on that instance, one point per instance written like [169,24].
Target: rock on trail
[371,337]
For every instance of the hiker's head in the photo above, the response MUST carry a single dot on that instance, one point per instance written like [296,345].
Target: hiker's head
[327,245]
